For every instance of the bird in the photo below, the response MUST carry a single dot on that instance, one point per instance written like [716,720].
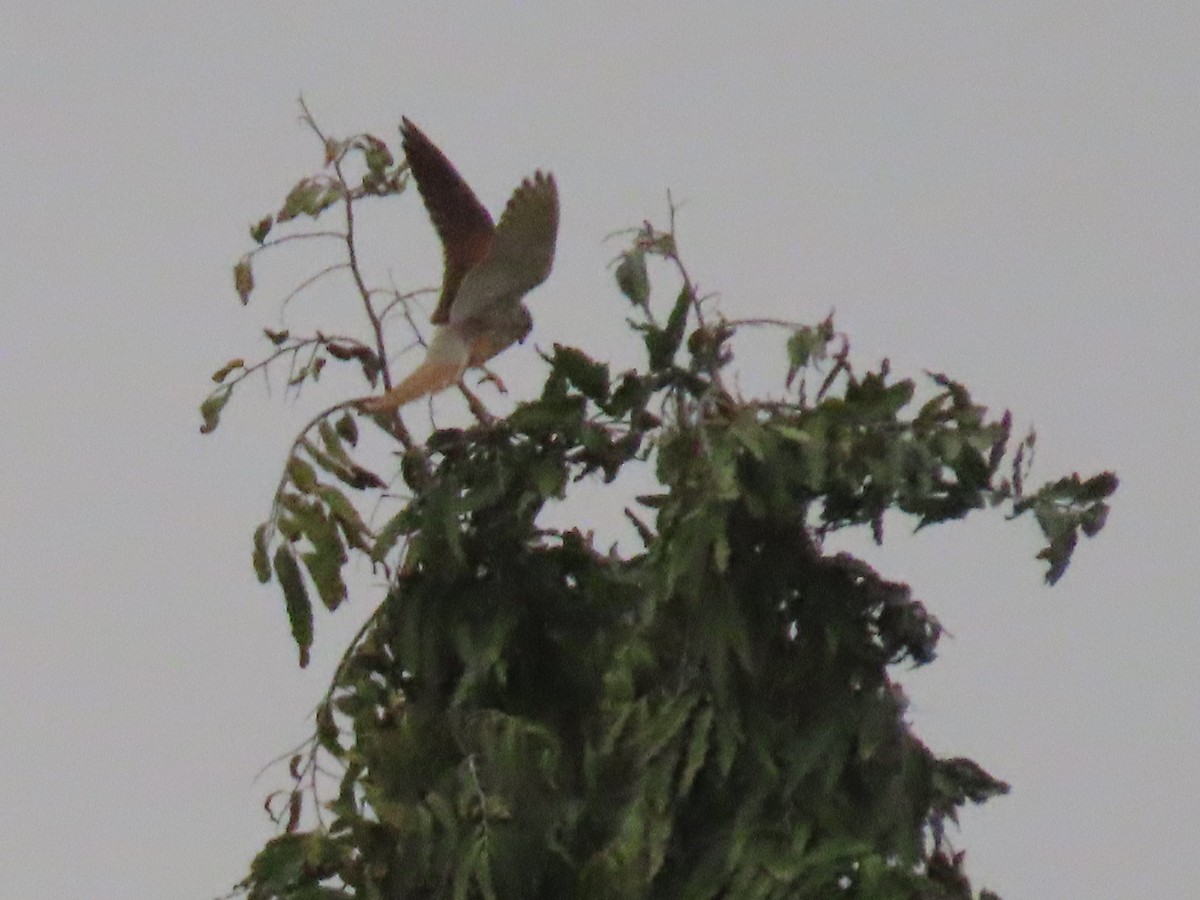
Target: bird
[489,268]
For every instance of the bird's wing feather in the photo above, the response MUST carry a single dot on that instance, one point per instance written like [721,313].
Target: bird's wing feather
[462,222]
[521,253]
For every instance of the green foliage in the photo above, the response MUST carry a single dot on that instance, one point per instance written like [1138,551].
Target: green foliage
[713,715]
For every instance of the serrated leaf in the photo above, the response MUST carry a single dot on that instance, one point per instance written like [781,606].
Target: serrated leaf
[222,373]
[210,409]
[295,598]
[262,563]
[632,278]
[243,279]
[589,376]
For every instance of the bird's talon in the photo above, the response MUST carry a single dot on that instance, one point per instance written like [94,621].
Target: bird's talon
[495,379]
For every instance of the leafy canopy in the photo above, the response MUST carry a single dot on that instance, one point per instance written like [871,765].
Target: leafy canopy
[712,716]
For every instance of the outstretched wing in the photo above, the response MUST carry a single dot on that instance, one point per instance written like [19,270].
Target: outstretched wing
[521,253]
[462,222]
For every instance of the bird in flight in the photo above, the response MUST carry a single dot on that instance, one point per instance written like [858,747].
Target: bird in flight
[489,268]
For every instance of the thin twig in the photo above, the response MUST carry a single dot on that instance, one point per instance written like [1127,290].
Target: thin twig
[352,251]
[412,324]
[399,299]
[308,282]
[478,410]
[275,242]
[764,322]
[376,324]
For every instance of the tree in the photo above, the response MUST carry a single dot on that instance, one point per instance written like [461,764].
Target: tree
[712,716]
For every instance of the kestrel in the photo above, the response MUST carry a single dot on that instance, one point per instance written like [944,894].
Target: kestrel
[488,269]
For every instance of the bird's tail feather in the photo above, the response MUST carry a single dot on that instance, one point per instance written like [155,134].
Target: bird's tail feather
[431,376]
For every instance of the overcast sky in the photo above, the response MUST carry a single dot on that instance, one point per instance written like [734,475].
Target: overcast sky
[1005,192]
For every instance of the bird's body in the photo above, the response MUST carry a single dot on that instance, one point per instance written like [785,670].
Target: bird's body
[488,269]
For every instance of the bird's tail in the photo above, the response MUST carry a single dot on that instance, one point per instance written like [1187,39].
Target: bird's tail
[444,364]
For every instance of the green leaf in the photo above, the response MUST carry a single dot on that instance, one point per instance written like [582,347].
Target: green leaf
[339,464]
[697,750]
[751,434]
[324,564]
[957,780]
[310,197]
[295,597]
[806,345]
[632,393]
[347,516]
[632,278]
[332,441]
[677,320]
[210,409]
[549,477]
[262,564]
[347,429]
[243,279]
[389,535]
[302,474]
[375,152]
[666,723]
[582,371]
[260,230]
[279,865]
[662,344]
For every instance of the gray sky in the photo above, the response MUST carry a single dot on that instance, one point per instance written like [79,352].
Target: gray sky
[1002,192]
